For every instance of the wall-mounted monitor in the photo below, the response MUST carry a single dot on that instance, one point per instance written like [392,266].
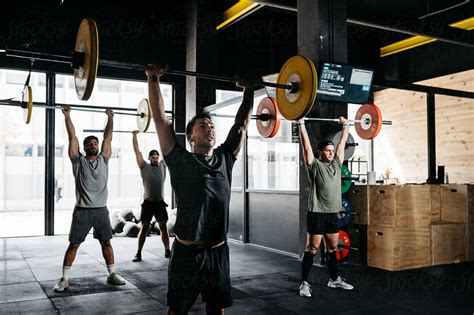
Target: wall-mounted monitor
[344,83]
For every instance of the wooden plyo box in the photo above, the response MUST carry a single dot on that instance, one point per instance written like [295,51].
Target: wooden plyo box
[359,197]
[400,205]
[435,203]
[448,243]
[393,248]
[457,203]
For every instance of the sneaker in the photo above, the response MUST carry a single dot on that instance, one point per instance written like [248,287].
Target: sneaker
[61,285]
[339,283]
[305,289]
[138,258]
[167,253]
[115,279]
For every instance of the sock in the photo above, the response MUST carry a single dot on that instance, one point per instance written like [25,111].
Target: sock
[306,265]
[332,265]
[66,271]
[111,269]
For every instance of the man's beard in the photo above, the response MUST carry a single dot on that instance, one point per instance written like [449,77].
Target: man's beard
[92,153]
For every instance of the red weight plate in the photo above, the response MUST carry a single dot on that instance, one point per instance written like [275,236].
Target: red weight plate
[344,239]
[268,128]
[371,121]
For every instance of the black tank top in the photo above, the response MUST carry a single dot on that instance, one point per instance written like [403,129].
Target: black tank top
[202,185]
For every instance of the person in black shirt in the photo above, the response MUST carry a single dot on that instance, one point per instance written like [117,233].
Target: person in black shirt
[201,180]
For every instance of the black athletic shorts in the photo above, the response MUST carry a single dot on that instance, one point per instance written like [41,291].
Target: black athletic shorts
[322,223]
[154,208]
[193,271]
[83,219]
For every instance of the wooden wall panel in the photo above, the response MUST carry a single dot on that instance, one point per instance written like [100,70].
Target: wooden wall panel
[402,147]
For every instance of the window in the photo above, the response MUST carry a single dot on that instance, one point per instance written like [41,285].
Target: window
[18,149]
[58,151]
[125,185]
[21,170]
[272,163]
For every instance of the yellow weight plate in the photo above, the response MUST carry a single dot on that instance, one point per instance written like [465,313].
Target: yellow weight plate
[144,118]
[27,103]
[87,42]
[298,70]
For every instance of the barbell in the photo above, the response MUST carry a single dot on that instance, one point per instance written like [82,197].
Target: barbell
[368,120]
[142,112]
[85,61]
[296,84]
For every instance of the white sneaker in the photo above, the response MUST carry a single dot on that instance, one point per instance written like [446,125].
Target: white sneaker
[61,285]
[115,279]
[305,289]
[339,283]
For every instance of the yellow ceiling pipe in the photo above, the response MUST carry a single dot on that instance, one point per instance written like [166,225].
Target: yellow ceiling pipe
[238,11]
[415,41]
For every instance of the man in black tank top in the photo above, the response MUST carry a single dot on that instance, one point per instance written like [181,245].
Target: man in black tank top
[201,180]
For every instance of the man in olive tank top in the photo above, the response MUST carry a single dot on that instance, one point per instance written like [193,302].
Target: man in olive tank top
[324,204]
[153,175]
[91,174]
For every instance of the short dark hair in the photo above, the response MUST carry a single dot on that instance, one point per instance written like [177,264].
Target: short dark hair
[324,143]
[190,125]
[89,138]
[153,152]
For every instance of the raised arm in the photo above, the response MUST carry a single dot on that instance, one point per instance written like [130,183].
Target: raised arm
[163,125]
[342,143]
[73,149]
[107,142]
[235,137]
[138,154]
[308,154]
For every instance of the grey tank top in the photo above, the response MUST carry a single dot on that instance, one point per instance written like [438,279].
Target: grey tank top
[153,180]
[91,181]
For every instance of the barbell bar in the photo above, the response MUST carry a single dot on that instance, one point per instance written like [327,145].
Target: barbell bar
[59,106]
[77,60]
[126,131]
[143,111]
[266,117]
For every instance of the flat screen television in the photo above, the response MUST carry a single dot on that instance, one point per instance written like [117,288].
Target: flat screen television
[344,83]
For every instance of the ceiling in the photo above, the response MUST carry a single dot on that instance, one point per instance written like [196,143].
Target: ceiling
[258,44]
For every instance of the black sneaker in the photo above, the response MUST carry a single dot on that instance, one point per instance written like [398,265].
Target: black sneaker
[138,258]
[167,253]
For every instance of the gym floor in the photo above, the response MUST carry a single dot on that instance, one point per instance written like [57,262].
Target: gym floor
[264,282]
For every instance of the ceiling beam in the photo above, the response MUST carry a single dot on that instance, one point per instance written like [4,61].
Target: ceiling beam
[238,11]
[415,41]
[442,33]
